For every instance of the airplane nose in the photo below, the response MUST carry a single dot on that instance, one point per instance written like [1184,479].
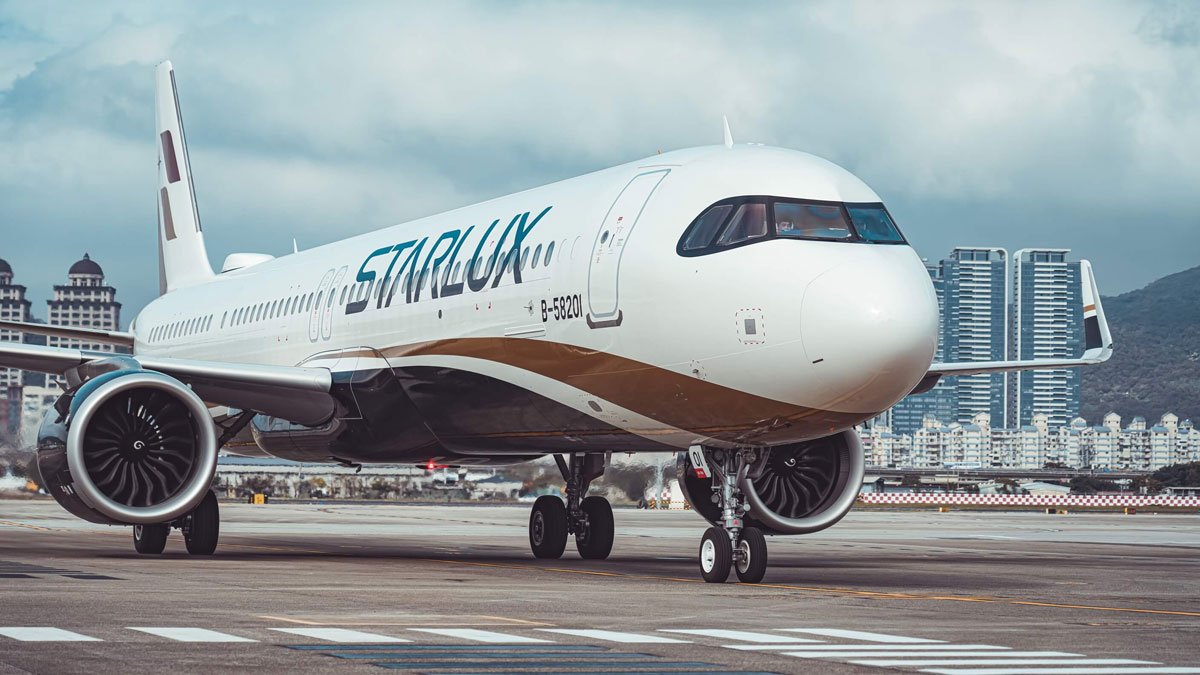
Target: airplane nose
[870,332]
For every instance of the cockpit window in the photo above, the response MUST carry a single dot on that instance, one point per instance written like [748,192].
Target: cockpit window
[749,222]
[735,222]
[811,221]
[701,234]
[873,223]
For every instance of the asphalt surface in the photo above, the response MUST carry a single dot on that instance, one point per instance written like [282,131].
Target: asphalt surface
[962,592]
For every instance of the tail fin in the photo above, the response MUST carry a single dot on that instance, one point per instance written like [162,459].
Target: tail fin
[183,259]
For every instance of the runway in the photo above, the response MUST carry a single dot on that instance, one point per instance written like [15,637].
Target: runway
[360,588]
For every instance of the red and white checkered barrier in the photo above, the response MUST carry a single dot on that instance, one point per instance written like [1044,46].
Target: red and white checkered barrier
[935,499]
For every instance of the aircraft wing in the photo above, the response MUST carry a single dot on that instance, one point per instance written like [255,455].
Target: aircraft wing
[108,337]
[294,393]
[1097,346]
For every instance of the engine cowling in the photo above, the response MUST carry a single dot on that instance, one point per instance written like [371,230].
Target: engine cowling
[798,488]
[132,447]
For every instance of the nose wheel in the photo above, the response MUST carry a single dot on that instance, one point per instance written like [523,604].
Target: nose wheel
[730,545]
[590,519]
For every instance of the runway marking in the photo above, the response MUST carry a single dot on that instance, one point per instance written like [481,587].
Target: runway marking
[44,634]
[480,635]
[744,636]
[417,621]
[855,654]
[615,636]
[892,663]
[826,590]
[1067,670]
[13,523]
[339,635]
[180,634]
[860,635]
[870,648]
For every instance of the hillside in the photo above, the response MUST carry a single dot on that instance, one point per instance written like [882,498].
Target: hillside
[1155,367]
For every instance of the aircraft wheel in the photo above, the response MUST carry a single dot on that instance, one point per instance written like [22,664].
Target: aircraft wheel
[716,555]
[202,526]
[595,541]
[752,556]
[548,527]
[150,539]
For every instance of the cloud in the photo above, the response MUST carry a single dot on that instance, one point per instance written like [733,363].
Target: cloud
[1015,124]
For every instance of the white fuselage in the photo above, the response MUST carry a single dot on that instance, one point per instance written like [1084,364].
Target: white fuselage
[768,343]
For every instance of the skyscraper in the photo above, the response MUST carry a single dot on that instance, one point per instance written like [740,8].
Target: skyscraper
[907,415]
[84,302]
[975,319]
[1047,323]
[13,307]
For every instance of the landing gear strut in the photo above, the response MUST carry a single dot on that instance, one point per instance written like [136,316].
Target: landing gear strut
[729,545]
[200,529]
[590,519]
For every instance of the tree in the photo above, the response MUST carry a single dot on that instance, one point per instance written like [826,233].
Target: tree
[1090,485]
[1178,475]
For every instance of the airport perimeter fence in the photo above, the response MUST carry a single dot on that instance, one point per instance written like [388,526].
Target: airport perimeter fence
[1112,501]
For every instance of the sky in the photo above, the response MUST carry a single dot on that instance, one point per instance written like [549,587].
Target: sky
[1014,124]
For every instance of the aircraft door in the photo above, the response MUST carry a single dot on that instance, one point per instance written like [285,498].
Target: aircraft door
[605,265]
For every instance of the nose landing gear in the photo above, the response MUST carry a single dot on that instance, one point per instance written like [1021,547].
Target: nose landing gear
[590,519]
[730,545]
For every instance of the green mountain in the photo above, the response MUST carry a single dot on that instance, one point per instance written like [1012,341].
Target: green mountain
[1155,366]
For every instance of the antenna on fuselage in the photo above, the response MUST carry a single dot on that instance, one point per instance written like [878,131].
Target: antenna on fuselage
[728,133]
[295,248]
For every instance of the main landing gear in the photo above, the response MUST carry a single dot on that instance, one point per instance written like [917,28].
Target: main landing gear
[730,545]
[200,529]
[590,519]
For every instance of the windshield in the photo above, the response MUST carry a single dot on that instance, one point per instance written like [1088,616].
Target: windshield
[873,223]
[811,221]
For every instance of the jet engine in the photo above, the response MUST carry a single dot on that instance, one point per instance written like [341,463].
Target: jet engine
[789,489]
[127,446]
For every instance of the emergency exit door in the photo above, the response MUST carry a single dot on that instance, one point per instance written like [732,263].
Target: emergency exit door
[604,268]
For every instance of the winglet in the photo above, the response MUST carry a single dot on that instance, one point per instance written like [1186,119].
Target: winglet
[1097,341]
[728,133]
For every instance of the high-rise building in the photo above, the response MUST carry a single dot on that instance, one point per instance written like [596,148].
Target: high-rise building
[975,320]
[1047,323]
[907,415]
[84,302]
[13,307]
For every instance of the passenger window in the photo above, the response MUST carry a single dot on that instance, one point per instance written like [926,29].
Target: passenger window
[705,227]
[748,222]
[342,297]
[537,254]
[810,221]
[549,254]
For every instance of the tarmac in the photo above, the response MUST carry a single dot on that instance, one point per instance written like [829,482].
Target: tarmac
[346,588]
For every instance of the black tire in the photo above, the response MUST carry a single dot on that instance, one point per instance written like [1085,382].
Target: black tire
[548,527]
[597,541]
[203,526]
[752,565]
[150,539]
[716,556]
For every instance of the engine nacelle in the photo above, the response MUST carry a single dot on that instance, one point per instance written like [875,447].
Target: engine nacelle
[791,489]
[128,447]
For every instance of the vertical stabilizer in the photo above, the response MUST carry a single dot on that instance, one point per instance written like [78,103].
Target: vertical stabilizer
[183,259]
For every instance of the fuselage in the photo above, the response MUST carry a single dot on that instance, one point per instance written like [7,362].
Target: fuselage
[566,317]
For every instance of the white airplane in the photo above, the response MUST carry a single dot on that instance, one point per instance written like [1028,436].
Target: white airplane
[744,306]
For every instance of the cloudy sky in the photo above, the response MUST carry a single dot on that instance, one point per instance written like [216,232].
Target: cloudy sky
[1010,124]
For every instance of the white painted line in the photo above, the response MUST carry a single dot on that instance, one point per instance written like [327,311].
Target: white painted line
[615,636]
[339,635]
[191,634]
[1071,670]
[44,634]
[480,635]
[891,663]
[867,648]
[861,635]
[848,654]
[742,635]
